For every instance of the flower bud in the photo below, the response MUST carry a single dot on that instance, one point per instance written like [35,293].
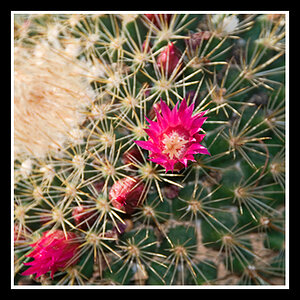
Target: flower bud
[83,217]
[195,39]
[132,157]
[98,185]
[159,19]
[169,58]
[126,194]
[53,251]
[146,46]
[190,96]
[20,234]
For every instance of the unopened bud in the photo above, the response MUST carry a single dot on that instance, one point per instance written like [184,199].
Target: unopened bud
[159,19]
[126,194]
[169,59]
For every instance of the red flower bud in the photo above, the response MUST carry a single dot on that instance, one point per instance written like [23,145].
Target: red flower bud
[132,156]
[20,234]
[83,217]
[159,19]
[190,97]
[126,194]
[169,58]
[98,185]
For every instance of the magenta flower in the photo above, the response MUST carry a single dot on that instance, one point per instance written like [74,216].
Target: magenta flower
[52,252]
[174,138]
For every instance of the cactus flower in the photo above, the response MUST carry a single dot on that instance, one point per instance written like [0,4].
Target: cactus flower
[169,59]
[174,138]
[52,252]
[126,194]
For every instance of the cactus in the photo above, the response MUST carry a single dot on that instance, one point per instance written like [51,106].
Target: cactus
[149,149]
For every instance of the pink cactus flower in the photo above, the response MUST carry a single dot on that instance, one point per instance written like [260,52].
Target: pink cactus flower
[52,252]
[174,138]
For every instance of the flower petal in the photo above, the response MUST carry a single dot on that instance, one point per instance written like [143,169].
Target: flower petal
[147,145]
[165,110]
[199,137]
[182,108]
[196,125]
[197,148]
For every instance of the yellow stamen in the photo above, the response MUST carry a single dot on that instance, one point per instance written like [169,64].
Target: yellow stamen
[174,145]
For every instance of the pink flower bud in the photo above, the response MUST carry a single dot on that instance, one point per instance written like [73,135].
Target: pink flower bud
[169,58]
[98,185]
[126,193]
[53,251]
[83,217]
[132,156]
[20,234]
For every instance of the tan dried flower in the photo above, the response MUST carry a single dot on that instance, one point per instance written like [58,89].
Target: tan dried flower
[50,95]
